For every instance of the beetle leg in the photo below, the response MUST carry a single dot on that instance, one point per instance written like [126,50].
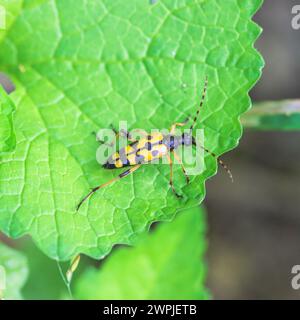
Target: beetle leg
[139,133]
[120,176]
[178,124]
[122,133]
[176,156]
[171,176]
[103,142]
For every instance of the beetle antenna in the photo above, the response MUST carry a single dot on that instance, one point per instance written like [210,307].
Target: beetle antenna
[201,103]
[224,165]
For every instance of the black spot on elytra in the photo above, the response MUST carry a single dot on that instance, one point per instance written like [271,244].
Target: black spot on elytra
[155,153]
[148,146]
[139,159]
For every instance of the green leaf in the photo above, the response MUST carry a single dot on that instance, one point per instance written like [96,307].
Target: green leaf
[12,10]
[274,115]
[167,264]
[13,273]
[7,134]
[44,280]
[78,68]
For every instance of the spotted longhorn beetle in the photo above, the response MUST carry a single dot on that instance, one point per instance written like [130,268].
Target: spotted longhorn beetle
[153,147]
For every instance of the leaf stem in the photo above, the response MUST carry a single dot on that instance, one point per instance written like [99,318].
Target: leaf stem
[67,283]
[273,115]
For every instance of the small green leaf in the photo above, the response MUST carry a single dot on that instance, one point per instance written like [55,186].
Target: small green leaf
[44,280]
[7,134]
[167,264]
[81,66]
[13,273]
[274,115]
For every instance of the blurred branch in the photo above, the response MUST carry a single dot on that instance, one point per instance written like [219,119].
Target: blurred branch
[273,115]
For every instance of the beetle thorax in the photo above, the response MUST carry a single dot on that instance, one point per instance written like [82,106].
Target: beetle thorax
[173,142]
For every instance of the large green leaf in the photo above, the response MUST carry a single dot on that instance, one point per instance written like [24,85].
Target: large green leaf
[80,66]
[7,134]
[13,273]
[148,272]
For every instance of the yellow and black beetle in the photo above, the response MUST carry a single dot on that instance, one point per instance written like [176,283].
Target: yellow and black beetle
[153,147]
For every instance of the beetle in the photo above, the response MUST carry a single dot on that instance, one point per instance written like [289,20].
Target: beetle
[153,147]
